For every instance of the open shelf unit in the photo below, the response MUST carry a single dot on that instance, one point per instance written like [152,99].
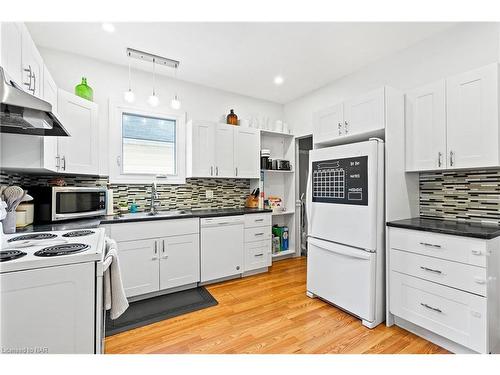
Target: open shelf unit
[281,183]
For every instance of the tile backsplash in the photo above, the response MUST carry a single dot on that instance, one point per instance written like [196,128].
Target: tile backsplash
[226,192]
[461,195]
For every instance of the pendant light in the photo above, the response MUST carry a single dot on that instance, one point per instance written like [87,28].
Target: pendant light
[175,103]
[129,95]
[153,99]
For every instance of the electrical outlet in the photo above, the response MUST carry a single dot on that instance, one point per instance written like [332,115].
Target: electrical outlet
[209,194]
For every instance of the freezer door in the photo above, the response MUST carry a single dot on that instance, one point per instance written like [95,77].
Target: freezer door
[343,276]
[345,192]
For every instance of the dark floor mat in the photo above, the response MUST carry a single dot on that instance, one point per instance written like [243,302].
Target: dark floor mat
[155,309]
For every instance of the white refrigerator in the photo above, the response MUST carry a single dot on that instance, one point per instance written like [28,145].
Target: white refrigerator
[345,209]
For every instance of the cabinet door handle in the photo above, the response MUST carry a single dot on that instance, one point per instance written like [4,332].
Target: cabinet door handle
[216,171]
[155,256]
[340,128]
[236,171]
[34,84]
[440,159]
[346,127]
[63,165]
[259,234]
[259,255]
[165,256]
[431,270]
[430,245]
[211,170]
[431,308]
[58,162]
[452,156]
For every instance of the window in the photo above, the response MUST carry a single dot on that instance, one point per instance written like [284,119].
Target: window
[148,145]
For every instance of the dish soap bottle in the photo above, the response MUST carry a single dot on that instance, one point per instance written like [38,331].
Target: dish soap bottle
[232,119]
[84,91]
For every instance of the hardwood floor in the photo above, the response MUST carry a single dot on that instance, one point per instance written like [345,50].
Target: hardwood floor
[267,313]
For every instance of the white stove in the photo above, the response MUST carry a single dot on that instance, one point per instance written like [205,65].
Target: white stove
[45,249]
[51,292]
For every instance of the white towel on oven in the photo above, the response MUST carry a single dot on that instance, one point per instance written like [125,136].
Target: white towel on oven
[114,295]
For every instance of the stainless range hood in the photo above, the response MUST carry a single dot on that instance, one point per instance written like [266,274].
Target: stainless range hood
[22,113]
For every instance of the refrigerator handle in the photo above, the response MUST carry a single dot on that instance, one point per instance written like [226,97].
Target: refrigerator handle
[340,249]
[308,202]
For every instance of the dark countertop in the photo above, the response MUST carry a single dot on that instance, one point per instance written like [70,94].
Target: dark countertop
[457,228]
[140,216]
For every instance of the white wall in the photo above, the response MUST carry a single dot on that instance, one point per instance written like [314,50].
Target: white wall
[109,81]
[457,49]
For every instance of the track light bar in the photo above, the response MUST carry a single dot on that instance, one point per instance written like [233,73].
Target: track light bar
[145,56]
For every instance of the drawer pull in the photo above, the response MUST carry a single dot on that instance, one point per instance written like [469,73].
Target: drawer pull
[257,220]
[259,234]
[431,308]
[259,255]
[475,314]
[431,270]
[430,245]
[477,252]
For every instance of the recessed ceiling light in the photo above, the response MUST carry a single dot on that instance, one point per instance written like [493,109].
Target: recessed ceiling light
[278,80]
[109,27]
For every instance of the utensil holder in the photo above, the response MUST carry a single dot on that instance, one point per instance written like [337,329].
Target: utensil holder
[9,223]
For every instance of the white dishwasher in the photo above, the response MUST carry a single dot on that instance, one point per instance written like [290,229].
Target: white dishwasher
[222,241]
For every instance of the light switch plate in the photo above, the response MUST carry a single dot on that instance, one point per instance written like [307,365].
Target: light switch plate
[209,194]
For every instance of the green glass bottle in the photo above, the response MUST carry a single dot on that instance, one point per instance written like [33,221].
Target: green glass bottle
[84,91]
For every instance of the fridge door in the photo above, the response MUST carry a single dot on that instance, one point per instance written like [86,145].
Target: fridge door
[343,276]
[345,193]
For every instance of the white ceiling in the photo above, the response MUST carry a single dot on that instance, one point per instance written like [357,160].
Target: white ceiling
[243,57]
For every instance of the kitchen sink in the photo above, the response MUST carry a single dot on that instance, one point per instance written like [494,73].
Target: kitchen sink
[159,213]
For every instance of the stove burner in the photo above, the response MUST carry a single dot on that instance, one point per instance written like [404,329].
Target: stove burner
[33,236]
[78,233]
[65,249]
[7,255]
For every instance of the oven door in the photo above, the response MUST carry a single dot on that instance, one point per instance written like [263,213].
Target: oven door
[78,202]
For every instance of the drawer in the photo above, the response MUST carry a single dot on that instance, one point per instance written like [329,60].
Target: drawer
[257,220]
[457,275]
[153,229]
[459,316]
[257,234]
[459,249]
[257,255]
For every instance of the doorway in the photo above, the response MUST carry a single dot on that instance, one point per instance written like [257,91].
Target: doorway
[303,146]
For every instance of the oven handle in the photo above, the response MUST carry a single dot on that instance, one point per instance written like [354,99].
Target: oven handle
[340,249]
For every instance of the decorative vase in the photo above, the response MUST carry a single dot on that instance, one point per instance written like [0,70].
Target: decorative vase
[232,119]
[84,91]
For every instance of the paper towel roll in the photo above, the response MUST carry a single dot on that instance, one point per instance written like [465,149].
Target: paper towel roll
[109,202]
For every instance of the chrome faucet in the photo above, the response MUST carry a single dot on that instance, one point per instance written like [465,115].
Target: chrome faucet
[154,198]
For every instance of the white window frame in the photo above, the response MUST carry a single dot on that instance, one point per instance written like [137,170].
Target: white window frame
[115,143]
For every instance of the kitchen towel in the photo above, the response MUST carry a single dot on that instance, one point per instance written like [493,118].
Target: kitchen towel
[114,295]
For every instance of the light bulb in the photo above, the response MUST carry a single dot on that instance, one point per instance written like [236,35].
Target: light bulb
[129,96]
[153,100]
[278,80]
[175,103]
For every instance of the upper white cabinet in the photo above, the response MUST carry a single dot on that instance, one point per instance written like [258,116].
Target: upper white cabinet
[220,150]
[76,154]
[426,127]
[454,123]
[32,66]
[247,153]
[328,123]
[224,150]
[49,89]
[11,58]
[79,153]
[472,110]
[362,115]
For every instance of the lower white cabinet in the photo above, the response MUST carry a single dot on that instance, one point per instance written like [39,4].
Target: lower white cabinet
[139,266]
[447,285]
[179,261]
[258,242]
[153,264]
